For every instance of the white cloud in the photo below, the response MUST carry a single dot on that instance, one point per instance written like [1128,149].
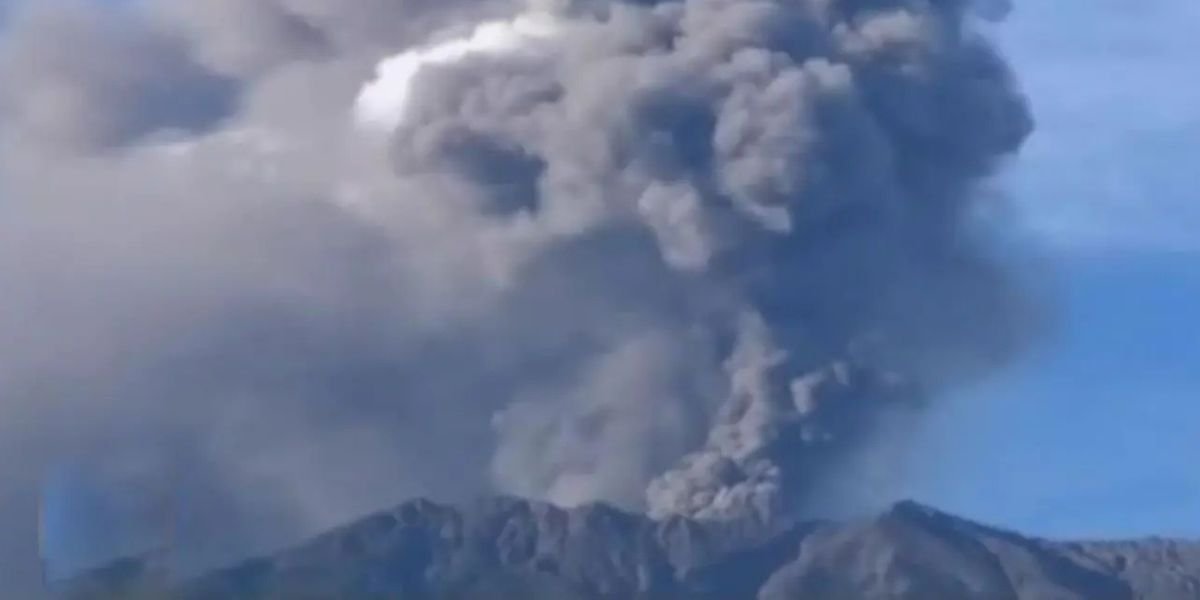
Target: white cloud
[383,102]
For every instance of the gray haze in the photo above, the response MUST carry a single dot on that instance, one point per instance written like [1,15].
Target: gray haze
[678,255]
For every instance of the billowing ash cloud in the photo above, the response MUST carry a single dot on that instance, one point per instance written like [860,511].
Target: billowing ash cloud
[677,255]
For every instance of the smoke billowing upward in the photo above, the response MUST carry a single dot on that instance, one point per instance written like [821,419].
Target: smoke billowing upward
[678,255]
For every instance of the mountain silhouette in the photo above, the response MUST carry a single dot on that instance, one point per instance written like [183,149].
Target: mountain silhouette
[507,548]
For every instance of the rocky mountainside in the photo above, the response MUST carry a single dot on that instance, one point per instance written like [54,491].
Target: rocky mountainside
[521,550]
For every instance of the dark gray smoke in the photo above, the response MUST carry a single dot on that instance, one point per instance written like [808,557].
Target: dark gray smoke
[677,255]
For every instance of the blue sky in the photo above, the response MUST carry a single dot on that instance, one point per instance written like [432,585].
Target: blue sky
[1097,432]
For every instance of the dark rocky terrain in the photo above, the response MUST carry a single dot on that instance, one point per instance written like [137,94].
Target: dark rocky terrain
[520,550]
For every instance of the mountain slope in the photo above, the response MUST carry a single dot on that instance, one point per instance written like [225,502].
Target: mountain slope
[516,549]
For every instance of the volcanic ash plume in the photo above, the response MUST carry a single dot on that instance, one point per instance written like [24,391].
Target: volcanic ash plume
[678,255]
[809,165]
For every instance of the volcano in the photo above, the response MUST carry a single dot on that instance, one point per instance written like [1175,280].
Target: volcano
[507,548]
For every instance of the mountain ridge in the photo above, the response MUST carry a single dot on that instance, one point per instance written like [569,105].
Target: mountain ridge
[503,548]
